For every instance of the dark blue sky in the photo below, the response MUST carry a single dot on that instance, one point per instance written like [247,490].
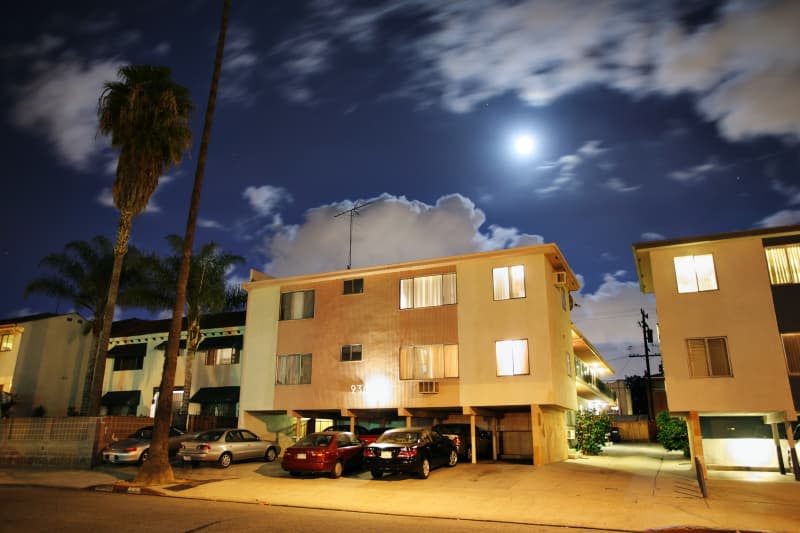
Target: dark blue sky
[650,122]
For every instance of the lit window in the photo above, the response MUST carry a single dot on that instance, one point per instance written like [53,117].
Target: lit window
[428,291]
[293,369]
[509,282]
[512,357]
[351,352]
[784,264]
[791,345]
[222,356]
[6,342]
[353,286]
[708,357]
[432,361]
[695,273]
[296,305]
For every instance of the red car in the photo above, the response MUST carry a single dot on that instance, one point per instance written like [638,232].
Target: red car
[327,451]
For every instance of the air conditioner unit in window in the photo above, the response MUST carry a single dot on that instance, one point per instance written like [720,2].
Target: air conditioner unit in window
[559,278]
[429,387]
[571,434]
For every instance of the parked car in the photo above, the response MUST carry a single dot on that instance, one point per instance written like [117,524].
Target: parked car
[327,451]
[226,445]
[410,450]
[136,448]
[372,435]
[360,431]
[460,435]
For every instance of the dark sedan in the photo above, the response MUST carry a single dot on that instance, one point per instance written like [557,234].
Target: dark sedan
[327,451]
[460,435]
[409,450]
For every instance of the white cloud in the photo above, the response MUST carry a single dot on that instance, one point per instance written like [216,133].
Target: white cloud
[616,184]
[393,229]
[652,236]
[791,192]
[238,66]
[208,223]
[786,217]
[608,318]
[59,102]
[162,49]
[567,166]
[265,199]
[696,173]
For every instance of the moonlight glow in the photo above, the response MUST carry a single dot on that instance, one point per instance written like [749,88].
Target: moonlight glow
[524,144]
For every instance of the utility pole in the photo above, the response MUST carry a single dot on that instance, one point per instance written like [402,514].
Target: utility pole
[647,337]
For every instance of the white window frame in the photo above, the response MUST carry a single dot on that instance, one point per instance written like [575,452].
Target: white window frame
[695,273]
[349,349]
[434,290]
[783,263]
[293,369]
[512,357]
[6,342]
[696,357]
[296,308]
[428,361]
[508,282]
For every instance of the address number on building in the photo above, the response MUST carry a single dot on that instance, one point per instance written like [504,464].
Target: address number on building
[357,388]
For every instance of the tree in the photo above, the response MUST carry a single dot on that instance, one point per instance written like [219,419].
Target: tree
[672,433]
[79,275]
[147,116]
[591,430]
[157,469]
[206,292]
[638,388]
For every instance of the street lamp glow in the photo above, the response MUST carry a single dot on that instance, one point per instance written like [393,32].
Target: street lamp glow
[524,144]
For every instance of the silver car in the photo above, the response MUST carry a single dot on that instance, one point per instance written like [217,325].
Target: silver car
[136,448]
[227,445]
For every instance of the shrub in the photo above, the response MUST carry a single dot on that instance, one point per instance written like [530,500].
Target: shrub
[672,433]
[590,431]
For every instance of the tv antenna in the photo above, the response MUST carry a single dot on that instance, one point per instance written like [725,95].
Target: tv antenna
[353,212]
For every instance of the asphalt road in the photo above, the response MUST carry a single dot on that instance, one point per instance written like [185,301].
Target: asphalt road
[47,509]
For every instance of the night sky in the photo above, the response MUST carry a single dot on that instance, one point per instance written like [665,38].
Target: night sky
[650,120]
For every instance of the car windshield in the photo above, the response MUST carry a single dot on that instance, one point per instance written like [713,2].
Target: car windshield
[210,436]
[399,437]
[314,441]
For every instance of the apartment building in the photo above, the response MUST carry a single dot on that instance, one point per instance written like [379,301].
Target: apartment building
[43,362]
[729,325]
[483,338]
[136,359]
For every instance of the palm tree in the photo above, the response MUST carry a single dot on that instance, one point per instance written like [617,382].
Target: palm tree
[147,116]
[79,274]
[157,469]
[206,292]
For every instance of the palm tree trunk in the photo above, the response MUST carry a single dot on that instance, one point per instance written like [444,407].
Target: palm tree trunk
[192,342]
[87,382]
[120,249]
[157,469]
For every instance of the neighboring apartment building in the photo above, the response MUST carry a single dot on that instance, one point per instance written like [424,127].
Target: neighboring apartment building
[136,359]
[43,362]
[729,324]
[483,338]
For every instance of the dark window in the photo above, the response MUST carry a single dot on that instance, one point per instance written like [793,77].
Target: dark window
[296,305]
[128,363]
[354,286]
[218,409]
[351,352]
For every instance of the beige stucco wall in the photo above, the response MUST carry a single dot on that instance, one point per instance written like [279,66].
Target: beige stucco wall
[258,360]
[49,365]
[741,310]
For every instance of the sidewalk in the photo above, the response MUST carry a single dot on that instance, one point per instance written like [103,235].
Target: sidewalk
[628,488]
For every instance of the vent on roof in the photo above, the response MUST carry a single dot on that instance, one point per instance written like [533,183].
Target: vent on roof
[559,278]
[429,387]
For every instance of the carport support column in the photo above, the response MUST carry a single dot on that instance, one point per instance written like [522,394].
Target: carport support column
[494,438]
[792,450]
[696,440]
[472,439]
[537,433]
[776,438]
[298,426]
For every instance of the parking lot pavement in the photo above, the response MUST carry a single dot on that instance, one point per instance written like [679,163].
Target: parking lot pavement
[627,488]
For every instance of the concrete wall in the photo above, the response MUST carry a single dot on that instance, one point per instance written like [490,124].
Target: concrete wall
[260,344]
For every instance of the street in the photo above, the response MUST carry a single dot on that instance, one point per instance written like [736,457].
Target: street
[49,509]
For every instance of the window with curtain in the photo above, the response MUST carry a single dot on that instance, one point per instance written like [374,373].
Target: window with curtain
[695,273]
[6,342]
[351,352]
[791,345]
[428,291]
[430,361]
[708,357]
[784,264]
[222,356]
[297,305]
[509,282]
[512,357]
[293,369]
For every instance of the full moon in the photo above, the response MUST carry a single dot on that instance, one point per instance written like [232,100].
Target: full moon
[524,144]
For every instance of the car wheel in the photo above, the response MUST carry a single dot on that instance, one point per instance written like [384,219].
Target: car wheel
[270,455]
[425,468]
[145,455]
[225,460]
[376,474]
[453,458]
[337,470]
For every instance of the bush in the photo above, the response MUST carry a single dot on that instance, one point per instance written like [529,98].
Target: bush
[590,431]
[672,433]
